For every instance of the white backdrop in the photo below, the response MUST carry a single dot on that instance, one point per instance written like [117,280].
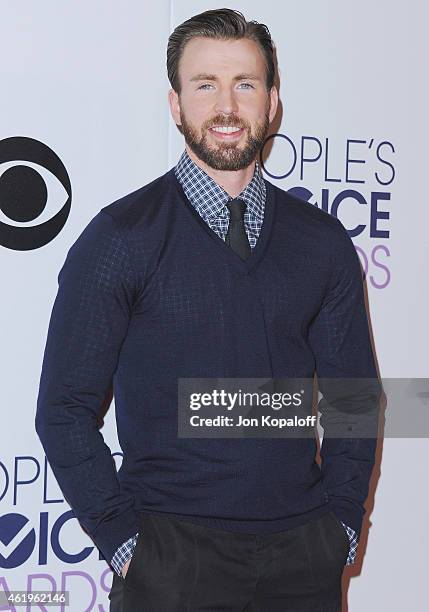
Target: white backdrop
[88,80]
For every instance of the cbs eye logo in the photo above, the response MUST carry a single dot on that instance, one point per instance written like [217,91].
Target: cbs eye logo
[26,167]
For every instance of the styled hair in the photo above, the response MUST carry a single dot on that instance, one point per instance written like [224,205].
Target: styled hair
[221,24]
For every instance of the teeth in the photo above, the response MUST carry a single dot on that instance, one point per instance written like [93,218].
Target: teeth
[226,130]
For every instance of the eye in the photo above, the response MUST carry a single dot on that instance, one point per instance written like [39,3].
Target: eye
[205,85]
[250,85]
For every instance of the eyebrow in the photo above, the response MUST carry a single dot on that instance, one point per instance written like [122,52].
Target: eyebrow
[212,77]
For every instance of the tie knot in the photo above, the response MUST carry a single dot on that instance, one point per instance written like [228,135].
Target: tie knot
[236,209]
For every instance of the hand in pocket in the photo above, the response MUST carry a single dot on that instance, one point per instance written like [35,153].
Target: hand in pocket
[342,532]
[125,568]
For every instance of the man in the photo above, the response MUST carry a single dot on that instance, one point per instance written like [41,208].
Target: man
[209,271]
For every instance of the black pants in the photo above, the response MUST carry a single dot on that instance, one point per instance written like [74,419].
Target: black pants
[181,567]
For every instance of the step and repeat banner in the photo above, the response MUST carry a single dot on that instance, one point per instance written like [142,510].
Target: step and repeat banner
[85,120]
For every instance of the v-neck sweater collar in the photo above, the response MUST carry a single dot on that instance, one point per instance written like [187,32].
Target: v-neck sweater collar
[243,266]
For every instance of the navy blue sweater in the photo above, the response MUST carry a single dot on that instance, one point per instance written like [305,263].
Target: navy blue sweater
[149,294]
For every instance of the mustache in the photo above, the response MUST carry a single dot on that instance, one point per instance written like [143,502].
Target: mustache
[225,123]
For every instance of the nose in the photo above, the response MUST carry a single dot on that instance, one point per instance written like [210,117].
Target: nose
[226,102]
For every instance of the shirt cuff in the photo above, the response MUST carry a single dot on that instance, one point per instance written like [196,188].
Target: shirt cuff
[351,533]
[123,554]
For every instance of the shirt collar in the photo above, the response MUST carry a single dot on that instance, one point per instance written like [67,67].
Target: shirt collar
[209,197]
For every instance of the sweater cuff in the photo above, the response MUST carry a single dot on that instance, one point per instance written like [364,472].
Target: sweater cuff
[348,513]
[110,535]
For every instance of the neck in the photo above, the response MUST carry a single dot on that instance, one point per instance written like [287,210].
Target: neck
[233,181]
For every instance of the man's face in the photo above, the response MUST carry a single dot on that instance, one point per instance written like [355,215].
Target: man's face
[223,85]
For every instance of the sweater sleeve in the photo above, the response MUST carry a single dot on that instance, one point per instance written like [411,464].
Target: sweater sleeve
[88,324]
[348,380]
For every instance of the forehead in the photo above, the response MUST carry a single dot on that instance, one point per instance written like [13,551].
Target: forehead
[221,57]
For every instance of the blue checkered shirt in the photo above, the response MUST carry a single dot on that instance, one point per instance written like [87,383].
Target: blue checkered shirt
[209,199]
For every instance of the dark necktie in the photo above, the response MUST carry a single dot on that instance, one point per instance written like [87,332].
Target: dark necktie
[236,236]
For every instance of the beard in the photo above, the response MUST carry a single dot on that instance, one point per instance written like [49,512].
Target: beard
[224,155]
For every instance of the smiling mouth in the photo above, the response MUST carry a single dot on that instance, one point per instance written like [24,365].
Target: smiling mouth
[226,133]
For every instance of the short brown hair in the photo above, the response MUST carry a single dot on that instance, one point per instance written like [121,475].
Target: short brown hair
[222,24]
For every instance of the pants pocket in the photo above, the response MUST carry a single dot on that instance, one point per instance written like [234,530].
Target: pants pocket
[163,571]
[135,563]
[342,534]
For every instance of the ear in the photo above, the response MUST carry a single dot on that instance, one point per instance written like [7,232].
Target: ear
[274,101]
[173,100]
